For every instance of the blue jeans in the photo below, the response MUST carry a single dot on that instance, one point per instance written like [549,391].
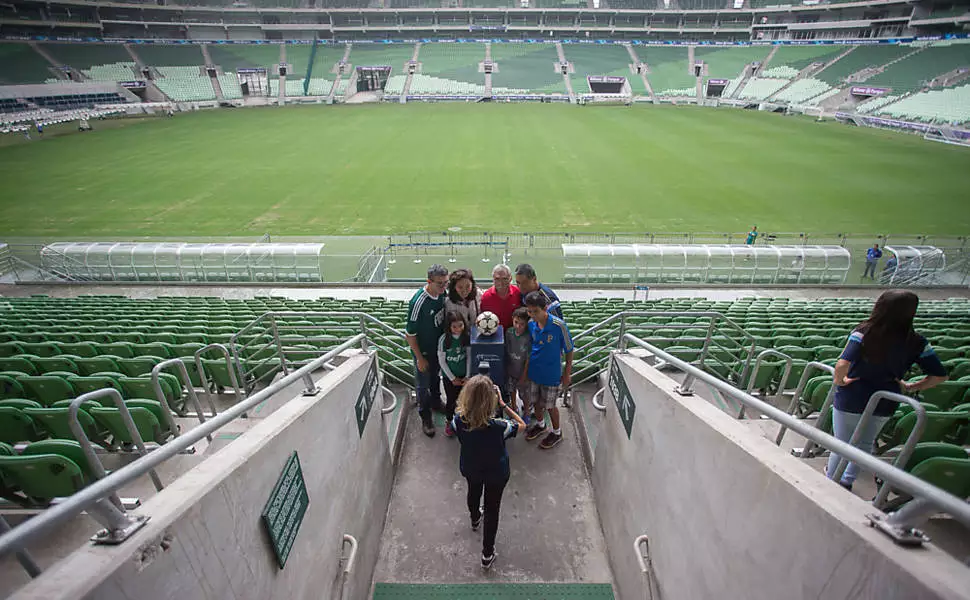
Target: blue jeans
[844,424]
[870,269]
[428,387]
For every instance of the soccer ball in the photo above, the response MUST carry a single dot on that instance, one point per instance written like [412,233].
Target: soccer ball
[487,323]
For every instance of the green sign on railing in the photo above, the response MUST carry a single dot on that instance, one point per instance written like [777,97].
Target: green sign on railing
[625,406]
[365,400]
[284,511]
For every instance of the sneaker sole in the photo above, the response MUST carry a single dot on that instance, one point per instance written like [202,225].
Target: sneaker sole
[546,446]
[537,435]
[490,563]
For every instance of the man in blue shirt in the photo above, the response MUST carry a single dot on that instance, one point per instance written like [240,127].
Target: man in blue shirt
[872,259]
[526,279]
[547,377]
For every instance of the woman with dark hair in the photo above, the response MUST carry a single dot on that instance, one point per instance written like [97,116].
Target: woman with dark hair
[463,297]
[879,353]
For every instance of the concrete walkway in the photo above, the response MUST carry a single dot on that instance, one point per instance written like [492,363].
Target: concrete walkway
[549,529]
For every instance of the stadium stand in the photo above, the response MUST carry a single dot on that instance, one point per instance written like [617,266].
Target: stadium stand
[19,63]
[759,88]
[526,67]
[185,84]
[860,58]
[804,90]
[790,60]
[876,103]
[378,55]
[949,105]
[229,84]
[244,56]
[120,71]
[596,59]
[450,69]
[87,56]
[298,57]
[325,59]
[913,72]
[669,70]
[174,55]
[729,62]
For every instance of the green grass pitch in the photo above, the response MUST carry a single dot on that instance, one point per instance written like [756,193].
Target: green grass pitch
[319,170]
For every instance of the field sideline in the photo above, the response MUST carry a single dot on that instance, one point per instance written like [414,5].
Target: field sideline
[390,169]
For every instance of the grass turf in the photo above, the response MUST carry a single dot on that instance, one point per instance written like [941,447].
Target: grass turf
[525,167]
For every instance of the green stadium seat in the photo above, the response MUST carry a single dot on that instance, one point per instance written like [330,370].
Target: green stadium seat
[145,421]
[10,387]
[47,469]
[46,389]
[92,383]
[940,427]
[52,364]
[21,363]
[120,349]
[8,349]
[135,367]
[99,364]
[82,349]
[16,427]
[41,349]
[945,395]
[55,421]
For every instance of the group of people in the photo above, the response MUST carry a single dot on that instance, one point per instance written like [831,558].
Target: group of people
[872,261]
[483,415]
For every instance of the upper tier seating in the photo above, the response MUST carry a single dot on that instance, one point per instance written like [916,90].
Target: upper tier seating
[915,71]
[792,59]
[161,55]
[668,69]
[729,62]
[19,63]
[244,56]
[602,59]
[86,56]
[450,66]
[860,58]
[524,66]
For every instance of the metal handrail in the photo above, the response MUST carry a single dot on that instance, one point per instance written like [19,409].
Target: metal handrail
[757,367]
[389,392]
[944,501]
[643,558]
[349,565]
[160,394]
[802,382]
[598,405]
[230,368]
[94,494]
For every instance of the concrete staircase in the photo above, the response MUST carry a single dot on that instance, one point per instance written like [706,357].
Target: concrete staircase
[565,78]
[766,61]
[340,75]
[205,55]
[643,71]
[410,78]
[488,76]
[281,94]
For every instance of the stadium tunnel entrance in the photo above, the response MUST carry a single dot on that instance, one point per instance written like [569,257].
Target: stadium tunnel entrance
[329,489]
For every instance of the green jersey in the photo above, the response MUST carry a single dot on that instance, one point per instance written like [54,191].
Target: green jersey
[426,320]
[452,356]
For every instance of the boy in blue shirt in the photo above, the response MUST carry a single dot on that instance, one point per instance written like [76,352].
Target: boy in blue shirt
[550,341]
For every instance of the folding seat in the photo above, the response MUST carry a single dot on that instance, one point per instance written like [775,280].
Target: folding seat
[8,349]
[141,388]
[160,349]
[55,422]
[940,426]
[98,364]
[120,349]
[10,387]
[823,353]
[63,363]
[15,426]
[64,338]
[92,383]
[46,389]
[42,349]
[189,338]
[797,352]
[813,395]
[145,421]
[22,363]
[138,366]
[32,337]
[82,349]
[132,337]
[787,340]
[945,395]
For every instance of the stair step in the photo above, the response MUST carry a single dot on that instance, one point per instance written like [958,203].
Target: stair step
[494,591]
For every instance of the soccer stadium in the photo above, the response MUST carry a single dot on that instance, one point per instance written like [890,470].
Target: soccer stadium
[645,299]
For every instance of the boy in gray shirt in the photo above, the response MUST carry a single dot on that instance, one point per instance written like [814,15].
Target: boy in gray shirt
[518,344]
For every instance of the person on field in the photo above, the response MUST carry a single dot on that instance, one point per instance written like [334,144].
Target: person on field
[503,297]
[426,317]
[752,236]
[526,279]
[453,359]
[551,342]
[484,461]
[463,297]
[872,259]
[879,353]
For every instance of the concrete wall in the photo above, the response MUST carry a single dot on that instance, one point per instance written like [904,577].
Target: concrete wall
[215,545]
[729,515]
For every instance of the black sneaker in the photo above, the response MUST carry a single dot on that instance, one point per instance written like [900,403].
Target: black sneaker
[428,428]
[550,440]
[535,431]
[488,560]
[476,523]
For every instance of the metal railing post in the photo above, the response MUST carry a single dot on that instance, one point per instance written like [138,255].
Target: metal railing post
[802,382]
[82,437]
[279,346]
[230,369]
[646,566]
[809,444]
[757,366]
[23,556]
[163,400]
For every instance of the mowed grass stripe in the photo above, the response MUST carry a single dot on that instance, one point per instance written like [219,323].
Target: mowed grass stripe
[385,169]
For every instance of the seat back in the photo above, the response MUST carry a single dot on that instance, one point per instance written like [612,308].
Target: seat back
[46,389]
[145,422]
[15,426]
[10,387]
[42,477]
